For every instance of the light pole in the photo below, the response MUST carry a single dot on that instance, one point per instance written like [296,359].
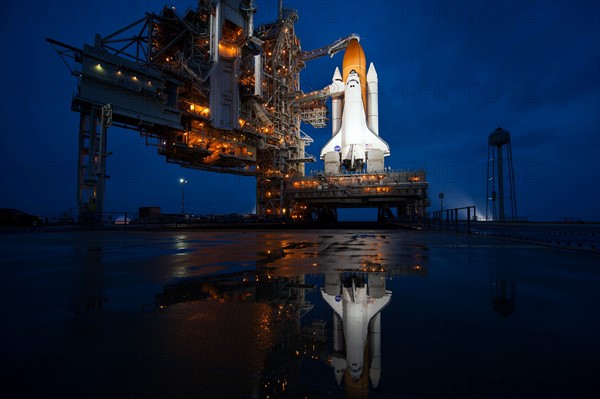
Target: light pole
[182,181]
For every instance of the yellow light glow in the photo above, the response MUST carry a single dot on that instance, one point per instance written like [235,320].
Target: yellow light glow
[199,109]
[228,51]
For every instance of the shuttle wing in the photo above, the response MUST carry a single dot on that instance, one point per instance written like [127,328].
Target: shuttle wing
[335,141]
[375,305]
[335,304]
[375,141]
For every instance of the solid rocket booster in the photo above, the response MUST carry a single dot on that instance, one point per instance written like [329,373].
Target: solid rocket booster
[372,100]
[337,87]
[338,361]
[375,342]
[354,116]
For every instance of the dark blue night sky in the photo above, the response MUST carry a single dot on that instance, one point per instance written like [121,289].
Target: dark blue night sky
[449,74]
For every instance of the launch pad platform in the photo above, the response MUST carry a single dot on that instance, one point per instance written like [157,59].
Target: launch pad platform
[323,194]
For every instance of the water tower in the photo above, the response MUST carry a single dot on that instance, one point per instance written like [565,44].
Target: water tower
[501,203]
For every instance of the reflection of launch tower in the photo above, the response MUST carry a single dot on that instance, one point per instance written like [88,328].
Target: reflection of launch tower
[500,177]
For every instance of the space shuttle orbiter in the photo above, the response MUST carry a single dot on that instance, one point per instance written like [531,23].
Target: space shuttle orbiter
[355,117]
[360,316]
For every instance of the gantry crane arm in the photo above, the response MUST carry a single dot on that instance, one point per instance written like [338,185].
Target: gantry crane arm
[331,90]
[64,51]
[329,49]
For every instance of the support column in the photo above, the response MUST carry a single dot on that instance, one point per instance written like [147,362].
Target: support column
[91,168]
[101,174]
[502,215]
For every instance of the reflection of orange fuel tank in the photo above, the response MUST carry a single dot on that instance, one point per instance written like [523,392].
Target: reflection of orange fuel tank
[354,58]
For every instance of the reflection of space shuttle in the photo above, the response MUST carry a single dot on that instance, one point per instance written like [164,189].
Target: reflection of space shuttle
[359,311]
[355,117]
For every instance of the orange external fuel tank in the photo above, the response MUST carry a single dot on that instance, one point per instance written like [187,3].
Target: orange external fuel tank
[354,58]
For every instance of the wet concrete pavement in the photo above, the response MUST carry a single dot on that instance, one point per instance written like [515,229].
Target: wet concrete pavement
[470,316]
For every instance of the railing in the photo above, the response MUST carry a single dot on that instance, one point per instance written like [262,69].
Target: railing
[450,219]
[575,236]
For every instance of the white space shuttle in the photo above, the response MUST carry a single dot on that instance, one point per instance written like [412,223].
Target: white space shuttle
[361,320]
[355,117]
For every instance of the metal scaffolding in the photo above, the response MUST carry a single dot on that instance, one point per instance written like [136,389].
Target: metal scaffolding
[209,90]
[206,88]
